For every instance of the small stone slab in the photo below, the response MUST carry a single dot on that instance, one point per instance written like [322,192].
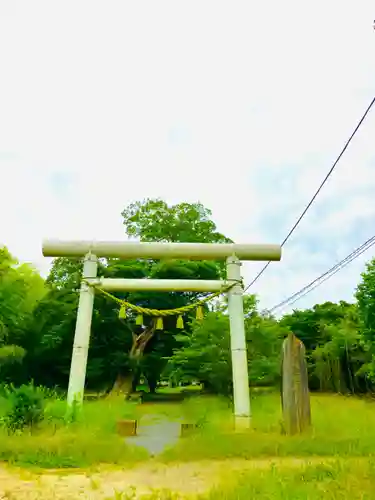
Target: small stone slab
[127,427]
[187,429]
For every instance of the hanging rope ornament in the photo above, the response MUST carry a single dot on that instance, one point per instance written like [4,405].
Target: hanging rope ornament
[157,314]
[199,314]
[159,320]
[180,322]
[122,312]
[159,323]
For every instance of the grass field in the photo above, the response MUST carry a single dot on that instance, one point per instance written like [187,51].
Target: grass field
[342,439]
[352,479]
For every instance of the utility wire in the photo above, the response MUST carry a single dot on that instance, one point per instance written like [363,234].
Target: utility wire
[338,265]
[325,276]
[328,276]
[318,190]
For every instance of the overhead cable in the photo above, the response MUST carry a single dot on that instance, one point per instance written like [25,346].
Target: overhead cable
[325,276]
[318,190]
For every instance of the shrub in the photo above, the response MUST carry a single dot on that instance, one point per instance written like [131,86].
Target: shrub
[26,408]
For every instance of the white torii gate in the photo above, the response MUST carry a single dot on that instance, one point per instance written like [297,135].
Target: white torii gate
[233,253]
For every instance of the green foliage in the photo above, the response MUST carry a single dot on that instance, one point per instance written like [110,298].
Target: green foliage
[26,408]
[21,288]
[334,347]
[365,295]
[11,354]
[205,353]
[65,273]
[154,220]
[334,360]
[264,339]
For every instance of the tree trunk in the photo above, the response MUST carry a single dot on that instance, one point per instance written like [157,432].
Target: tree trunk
[123,384]
[140,342]
[127,384]
[135,381]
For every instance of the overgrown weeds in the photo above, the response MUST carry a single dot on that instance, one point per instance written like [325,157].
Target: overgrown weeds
[338,480]
[26,409]
[36,431]
[342,426]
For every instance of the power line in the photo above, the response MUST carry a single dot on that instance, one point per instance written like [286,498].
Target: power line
[318,190]
[325,276]
[338,265]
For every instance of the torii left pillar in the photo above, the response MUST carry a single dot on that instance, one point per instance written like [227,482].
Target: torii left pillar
[82,332]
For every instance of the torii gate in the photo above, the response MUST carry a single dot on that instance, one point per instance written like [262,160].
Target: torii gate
[233,253]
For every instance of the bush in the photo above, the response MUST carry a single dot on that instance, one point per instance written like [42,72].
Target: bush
[26,408]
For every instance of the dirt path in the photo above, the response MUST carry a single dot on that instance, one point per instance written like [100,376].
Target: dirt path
[186,480]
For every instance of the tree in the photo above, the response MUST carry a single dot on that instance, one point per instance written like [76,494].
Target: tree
[264,337]
[338,360]
[65,273]
[21,287]
[205,352]
[155,220]
[54,326]
[365,295]
[310,327]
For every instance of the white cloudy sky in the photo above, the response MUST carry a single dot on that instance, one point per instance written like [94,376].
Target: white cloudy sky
[242,105]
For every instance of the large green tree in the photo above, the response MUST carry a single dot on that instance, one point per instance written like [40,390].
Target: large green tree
[21,288]
[365,295]
[155,220]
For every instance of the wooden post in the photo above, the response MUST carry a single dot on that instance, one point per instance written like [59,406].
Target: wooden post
[187,429]
[127,427]
[295,396]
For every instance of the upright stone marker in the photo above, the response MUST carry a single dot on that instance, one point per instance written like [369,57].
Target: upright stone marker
[295,390]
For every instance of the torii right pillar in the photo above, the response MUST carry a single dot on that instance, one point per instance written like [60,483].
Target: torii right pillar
[241,391]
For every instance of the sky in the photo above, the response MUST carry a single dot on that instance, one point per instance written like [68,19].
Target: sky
[240,105]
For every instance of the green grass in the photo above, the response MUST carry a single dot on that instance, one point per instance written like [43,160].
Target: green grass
[91,439]
[342,426]
[354,480]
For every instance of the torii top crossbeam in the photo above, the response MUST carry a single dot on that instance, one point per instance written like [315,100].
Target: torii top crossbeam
[138,250]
